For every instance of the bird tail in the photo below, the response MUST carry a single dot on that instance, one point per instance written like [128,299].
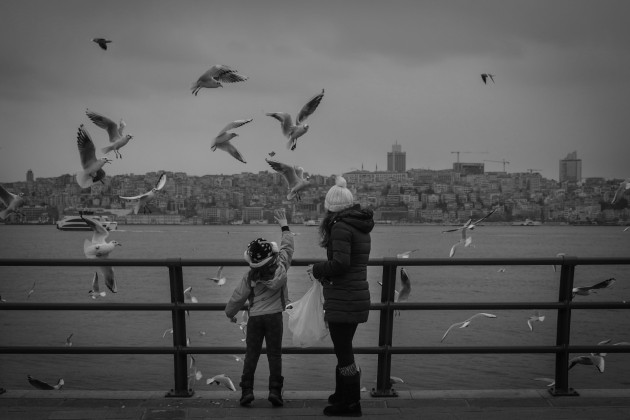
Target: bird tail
[291,144]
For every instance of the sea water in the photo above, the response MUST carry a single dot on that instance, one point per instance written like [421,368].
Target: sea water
[312,372]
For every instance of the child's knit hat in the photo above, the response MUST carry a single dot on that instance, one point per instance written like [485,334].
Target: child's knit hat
[259,252]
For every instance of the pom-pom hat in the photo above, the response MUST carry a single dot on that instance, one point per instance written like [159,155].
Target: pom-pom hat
[338,197]
[259,252]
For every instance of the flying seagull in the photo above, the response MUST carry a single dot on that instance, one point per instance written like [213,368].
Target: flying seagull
[98,247]
[114,131]
[13,202]
[485,76]
[295,131]
[222,140]
[95,292]
[222,379]
[92,167]
[595,360]
[469,225]
[406,254]
[68,340]
[218,279]
[31,291]
[147,197]
[466,240]
[102,42]
[466,323]
[534,318]
[167,331]
[294,175]
[44,385]
[405,290]
[623,187]
[587,290]
[195,374]
[216,76]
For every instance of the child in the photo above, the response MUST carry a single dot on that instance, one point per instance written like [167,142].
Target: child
[265,287]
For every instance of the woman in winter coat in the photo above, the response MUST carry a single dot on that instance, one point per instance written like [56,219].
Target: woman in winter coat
[345,233]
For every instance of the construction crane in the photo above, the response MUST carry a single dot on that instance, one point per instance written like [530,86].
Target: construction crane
[503,161]
[458,152]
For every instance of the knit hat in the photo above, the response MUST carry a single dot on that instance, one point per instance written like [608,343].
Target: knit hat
[259,252]
[338,197]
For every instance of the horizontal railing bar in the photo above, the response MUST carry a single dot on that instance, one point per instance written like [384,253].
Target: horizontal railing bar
[376,306]
[166,262]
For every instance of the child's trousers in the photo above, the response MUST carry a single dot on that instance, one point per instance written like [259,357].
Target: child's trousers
[270,328]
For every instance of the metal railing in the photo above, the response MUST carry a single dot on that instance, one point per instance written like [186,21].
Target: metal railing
[385,348]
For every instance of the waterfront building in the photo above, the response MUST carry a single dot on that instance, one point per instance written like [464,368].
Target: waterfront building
[396,159]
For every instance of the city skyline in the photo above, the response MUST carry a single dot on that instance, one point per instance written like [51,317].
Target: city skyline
[405,72]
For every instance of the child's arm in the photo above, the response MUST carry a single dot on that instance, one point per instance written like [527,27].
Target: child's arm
[239,296]
[285,254]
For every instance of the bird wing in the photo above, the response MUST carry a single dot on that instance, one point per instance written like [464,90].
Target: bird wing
[453,249]
[229,147]
[309,108]
[39,384]
[225,74]
[106,123]
[486,216]
[484,77]
[481,314]
[219,272]
[603,284]
[286,122]
[287,171]
[452,230]
[161,182]
[100,233]
[234,124]
[406,285]
[6,196]
[86,147]
[450,328]
[108,275]
[137,197]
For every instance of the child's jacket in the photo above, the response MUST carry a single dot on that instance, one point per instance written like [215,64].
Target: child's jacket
[269,295]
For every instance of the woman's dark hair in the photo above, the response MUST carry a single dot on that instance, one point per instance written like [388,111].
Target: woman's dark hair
[324,228]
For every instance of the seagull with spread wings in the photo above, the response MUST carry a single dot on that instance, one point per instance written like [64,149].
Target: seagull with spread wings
[469,225]
[222,140]
[216,76]
[294,175]
[218,279]
[466,323]
[147,197]
[587,290]
[222,379]
[623,187]
[92,168]
[98,247]
[295,131]
[13,202]
[114,131]
[536,317]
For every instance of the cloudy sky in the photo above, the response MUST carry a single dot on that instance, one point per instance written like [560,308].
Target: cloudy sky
[393,71]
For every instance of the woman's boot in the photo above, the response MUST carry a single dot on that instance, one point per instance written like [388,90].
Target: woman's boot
[350,405]
[336,396]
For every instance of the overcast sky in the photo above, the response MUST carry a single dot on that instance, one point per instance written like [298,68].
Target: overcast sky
[393,71]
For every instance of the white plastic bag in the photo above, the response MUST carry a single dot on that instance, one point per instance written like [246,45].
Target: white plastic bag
[306,317]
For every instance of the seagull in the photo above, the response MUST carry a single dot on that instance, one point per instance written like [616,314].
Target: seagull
[95,292]
[587,290]
[466,240]
[30,292]
[623,187]
[43,385]
[2,299]
[68,342]
[102,42]
[534,318]
[464,324]
[167,331]
[189,298]
[92,167]
[550,382]
[294,131]
[222,380]
[469,225]
[237,358]
[243,324]
[406,254]
[222,140]
[115,132]
[596,360]
[215,77]
[99,248]
[626,229]
[218,279]
[405,290]
[395,380]
[12,201]
[485,76]
[196,374]
[147,197]
[294,175]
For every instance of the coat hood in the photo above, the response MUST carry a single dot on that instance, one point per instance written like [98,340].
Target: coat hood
[355,216]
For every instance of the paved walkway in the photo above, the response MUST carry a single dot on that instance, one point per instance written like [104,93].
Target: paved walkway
[608,404]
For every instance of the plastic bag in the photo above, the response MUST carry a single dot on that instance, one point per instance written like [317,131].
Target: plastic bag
[306,317]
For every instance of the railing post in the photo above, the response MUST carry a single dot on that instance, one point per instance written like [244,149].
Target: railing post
[563,331]
[180,359]
[383,370]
